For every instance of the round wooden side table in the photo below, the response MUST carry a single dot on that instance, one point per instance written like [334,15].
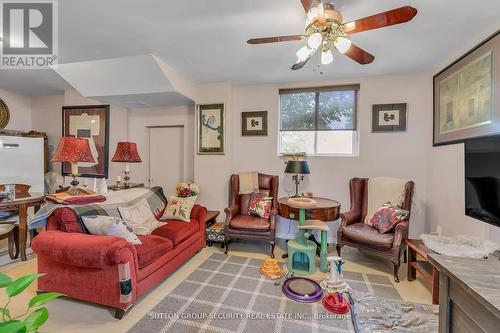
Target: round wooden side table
[324,210]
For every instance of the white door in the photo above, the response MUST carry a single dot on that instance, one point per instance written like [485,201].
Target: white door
[166,157]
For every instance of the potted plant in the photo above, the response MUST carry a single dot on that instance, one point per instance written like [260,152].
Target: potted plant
[34,316]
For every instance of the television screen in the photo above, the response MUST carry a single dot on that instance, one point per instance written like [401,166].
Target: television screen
[482,179]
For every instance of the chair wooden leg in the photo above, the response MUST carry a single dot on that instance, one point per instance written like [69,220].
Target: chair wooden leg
[13,243]
[405,256]
[339,249]
[272,248]
[396,270]
[226,245]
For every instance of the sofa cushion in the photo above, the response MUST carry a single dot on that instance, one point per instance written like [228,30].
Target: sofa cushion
[250,223]
[363,233]
[177,231]
[152,248]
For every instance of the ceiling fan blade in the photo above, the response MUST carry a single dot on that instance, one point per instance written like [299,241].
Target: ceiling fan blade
[321,15]
[276,39]
[391,17]
[359,55]
[307,4]
[301,64]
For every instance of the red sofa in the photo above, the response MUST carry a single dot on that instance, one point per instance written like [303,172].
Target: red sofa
[86,267]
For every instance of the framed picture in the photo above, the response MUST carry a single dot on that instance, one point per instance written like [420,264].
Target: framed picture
[389,117]
[465,102]
[4,114]
[211,129]
[92,123]
[254,123]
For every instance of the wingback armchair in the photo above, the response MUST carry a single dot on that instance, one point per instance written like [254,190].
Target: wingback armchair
[240,225]
[355,233]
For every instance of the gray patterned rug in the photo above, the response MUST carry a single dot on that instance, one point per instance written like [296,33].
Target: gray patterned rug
[227,294]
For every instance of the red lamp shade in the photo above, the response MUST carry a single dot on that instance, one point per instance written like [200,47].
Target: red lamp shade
[126,152]
[73,150]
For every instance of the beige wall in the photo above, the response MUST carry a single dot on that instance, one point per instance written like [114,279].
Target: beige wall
[380,154]
[19,109]
[138,132]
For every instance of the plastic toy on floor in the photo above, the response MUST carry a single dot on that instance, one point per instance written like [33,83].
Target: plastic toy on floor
[271,268]
[335,282]
[336,303]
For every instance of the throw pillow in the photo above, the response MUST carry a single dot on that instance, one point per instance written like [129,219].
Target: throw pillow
[387,217]
[187,189]
[140,217]
[382,190]
[179,209]
[110,226]
[260,205]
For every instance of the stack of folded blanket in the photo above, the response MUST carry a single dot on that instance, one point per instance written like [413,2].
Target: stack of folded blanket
[64,198]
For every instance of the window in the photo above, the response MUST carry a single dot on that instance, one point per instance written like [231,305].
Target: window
[318,121]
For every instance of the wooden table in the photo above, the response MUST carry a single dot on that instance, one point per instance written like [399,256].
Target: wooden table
[325,210]
[122,187]
[428,270]
[21,204]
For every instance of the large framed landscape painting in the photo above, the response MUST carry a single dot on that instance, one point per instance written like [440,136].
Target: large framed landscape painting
[211,129]
[467,95]
[92,123]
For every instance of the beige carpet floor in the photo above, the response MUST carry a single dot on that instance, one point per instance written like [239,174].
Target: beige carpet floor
[67,315]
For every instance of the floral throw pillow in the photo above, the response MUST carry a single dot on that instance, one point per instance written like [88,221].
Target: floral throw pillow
[179,209]
[260,205]
[186,190]
[387,217]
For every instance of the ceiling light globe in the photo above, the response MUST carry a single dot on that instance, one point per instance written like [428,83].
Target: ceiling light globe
[326,57]
[315,40]
[342,44]
[303,53]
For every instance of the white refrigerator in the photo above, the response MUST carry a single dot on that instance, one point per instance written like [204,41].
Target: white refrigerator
[22,161]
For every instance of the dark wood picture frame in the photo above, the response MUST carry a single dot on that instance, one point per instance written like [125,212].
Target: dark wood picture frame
[490,44]
[219,131]
[245,116]
[380,128]
[100,141]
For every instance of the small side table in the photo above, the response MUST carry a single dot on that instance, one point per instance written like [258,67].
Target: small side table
[424,266]
[121,187]
[215,231]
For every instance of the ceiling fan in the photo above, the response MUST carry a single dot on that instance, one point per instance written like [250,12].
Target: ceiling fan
[325,30]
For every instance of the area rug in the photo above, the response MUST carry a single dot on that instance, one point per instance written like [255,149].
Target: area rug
[227,294]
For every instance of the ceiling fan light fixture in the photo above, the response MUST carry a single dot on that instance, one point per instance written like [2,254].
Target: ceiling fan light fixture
[342,44]
[304,52]
[315,40]
[326,57]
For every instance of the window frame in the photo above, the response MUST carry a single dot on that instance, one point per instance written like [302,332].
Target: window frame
[317,91]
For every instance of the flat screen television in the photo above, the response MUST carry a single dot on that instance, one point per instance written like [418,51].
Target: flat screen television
[482,179]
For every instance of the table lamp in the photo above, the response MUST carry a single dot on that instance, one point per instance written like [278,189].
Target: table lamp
[299,169]
[73,150]
[126,152]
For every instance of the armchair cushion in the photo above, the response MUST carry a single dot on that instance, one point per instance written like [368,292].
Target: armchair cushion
[250,223]
[387,217]
[260,205]
[152,248]
[363,233]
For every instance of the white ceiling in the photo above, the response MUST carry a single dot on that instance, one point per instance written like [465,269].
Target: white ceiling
[205,40]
